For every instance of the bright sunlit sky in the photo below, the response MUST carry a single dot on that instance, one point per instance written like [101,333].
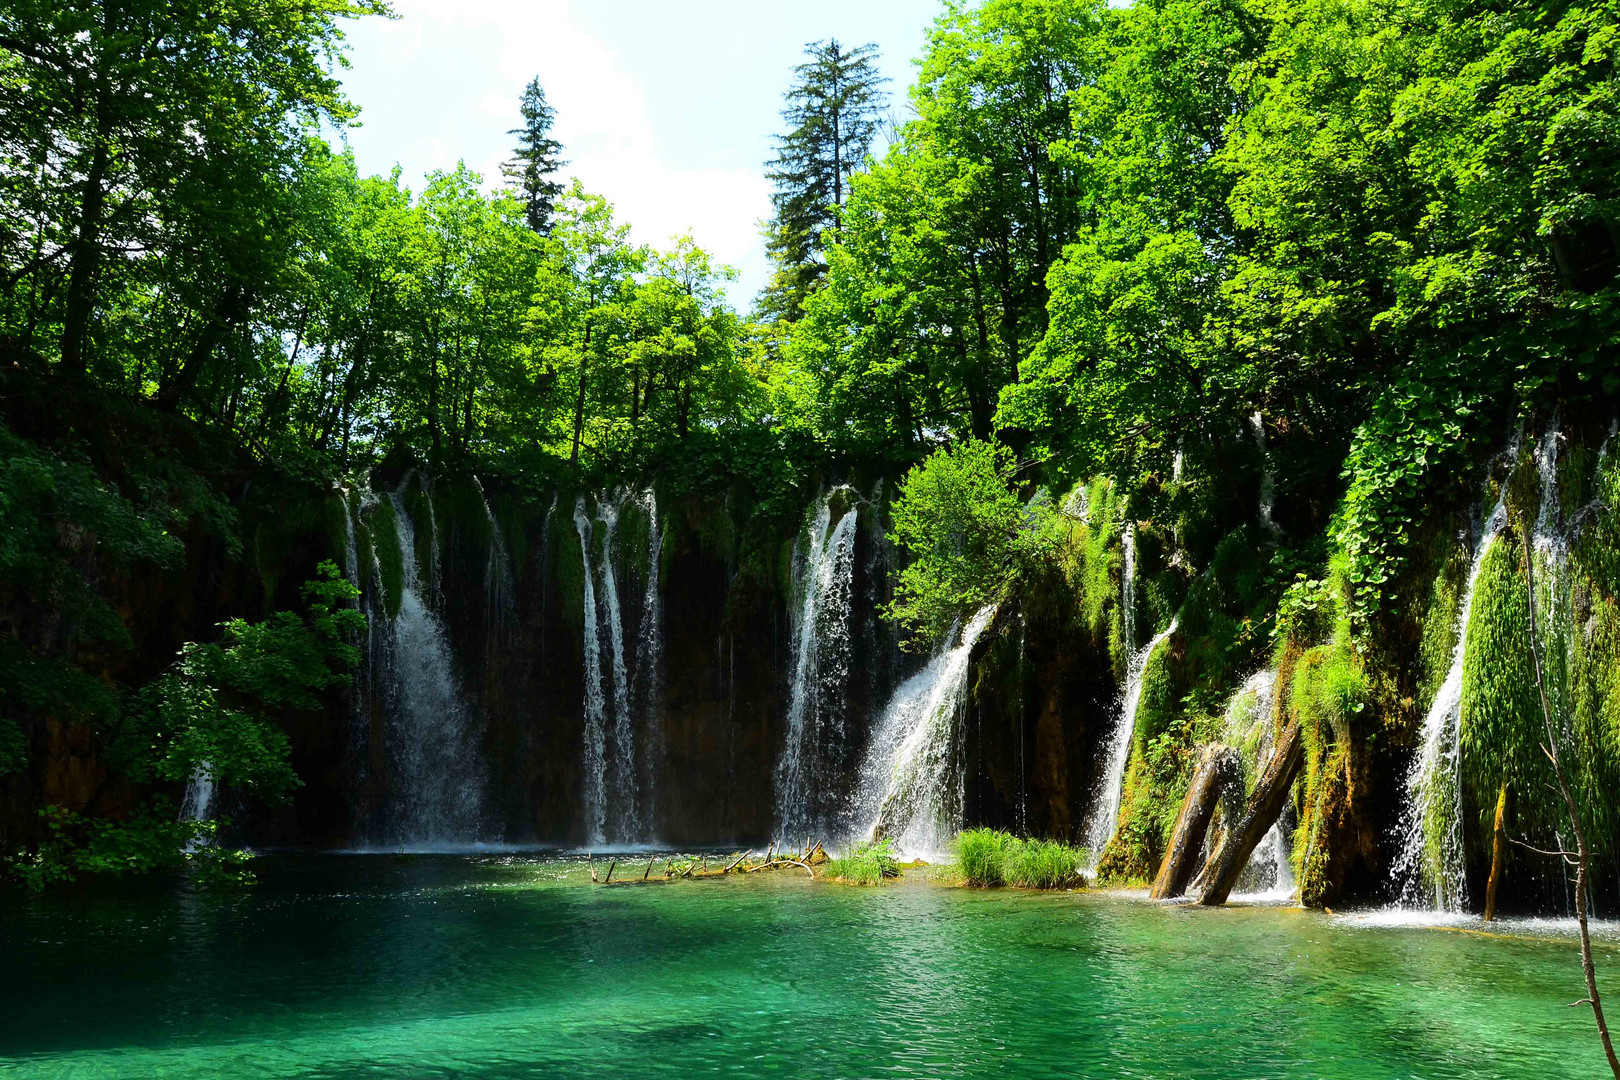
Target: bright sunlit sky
[667,109]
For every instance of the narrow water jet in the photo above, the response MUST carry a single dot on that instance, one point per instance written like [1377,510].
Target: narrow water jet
[1430,870]
[808,772]
[437,772]
[595,754]
[1127,589]
[1268,477]
[623,781]
[500,586]
[1111,790]
[647,682]
[912,780]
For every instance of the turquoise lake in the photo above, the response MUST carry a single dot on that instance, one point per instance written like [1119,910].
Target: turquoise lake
[516,966]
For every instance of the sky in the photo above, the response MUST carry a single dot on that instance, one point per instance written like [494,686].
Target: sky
[669,110]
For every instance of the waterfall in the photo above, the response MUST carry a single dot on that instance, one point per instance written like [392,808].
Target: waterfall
[624,780]
[595,705]
[435,578]
[198,801]
[912,779]
[1077,504]
[807,774]
[1430,867]
[500,587]
[647,684]
[1105,816]
[1268,477]
[351,547]
[438,773]
[1127,589]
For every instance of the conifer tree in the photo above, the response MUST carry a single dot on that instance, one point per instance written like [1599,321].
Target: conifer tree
[535,160]
[833,110]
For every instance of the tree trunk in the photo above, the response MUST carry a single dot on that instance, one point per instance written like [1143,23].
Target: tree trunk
[1498,853]
[1216,768]
[85,266]
[1261,813]
[579,401]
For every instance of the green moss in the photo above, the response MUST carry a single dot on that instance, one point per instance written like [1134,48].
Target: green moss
[568,564]
[1440,621]
[1502,724]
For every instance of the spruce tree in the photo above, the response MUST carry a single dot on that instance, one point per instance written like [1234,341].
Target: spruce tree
[535,159]
[833,111]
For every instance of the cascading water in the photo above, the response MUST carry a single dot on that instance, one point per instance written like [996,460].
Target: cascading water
[912,780]
[1127,589]
[438,781]
[807,781]
[595,757]
[198,802]
[624,781]
[500,587]
[647,682]
[1105,815]
[1268,476]
[1429,871]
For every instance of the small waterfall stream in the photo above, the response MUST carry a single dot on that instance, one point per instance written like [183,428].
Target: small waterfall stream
[1105,815]
[807,784]
[1268,477]
[647,680]
[500,585]
[1127,589]
[438,782]
[595,757]
[1430,870]
[623,733]
[912,780]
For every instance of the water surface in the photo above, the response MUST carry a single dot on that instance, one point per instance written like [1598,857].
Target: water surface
[511,966]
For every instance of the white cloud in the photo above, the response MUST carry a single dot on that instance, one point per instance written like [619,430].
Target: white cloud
[442,82]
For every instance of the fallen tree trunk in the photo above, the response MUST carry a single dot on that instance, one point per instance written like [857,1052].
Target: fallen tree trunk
[1259,815]
[1218,767]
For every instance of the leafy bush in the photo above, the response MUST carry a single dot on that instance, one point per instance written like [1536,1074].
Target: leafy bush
[968,536]
[867,863]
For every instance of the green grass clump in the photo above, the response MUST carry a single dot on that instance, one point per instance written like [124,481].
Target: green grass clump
[990,857]
[867,863]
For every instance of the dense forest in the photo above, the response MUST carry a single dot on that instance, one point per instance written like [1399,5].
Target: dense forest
[1220,327]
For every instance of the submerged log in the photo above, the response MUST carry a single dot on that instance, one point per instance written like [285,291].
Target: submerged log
[1259,815]
[1218,767]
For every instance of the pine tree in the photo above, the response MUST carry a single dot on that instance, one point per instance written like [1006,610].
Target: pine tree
[535,159]
[833,109]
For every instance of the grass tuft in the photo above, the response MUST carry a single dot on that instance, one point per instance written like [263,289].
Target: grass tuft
[988,857]
[867,863]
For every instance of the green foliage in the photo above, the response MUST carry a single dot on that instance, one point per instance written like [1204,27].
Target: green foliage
[988,857]
[149,839]
[868,862]
[968,538]
[218,708]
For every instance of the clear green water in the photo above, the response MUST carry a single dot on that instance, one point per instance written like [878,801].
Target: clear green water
[492,968]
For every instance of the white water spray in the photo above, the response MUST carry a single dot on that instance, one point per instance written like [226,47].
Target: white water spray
[806,797]
[1105,816]
[595,757]
[912,780]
